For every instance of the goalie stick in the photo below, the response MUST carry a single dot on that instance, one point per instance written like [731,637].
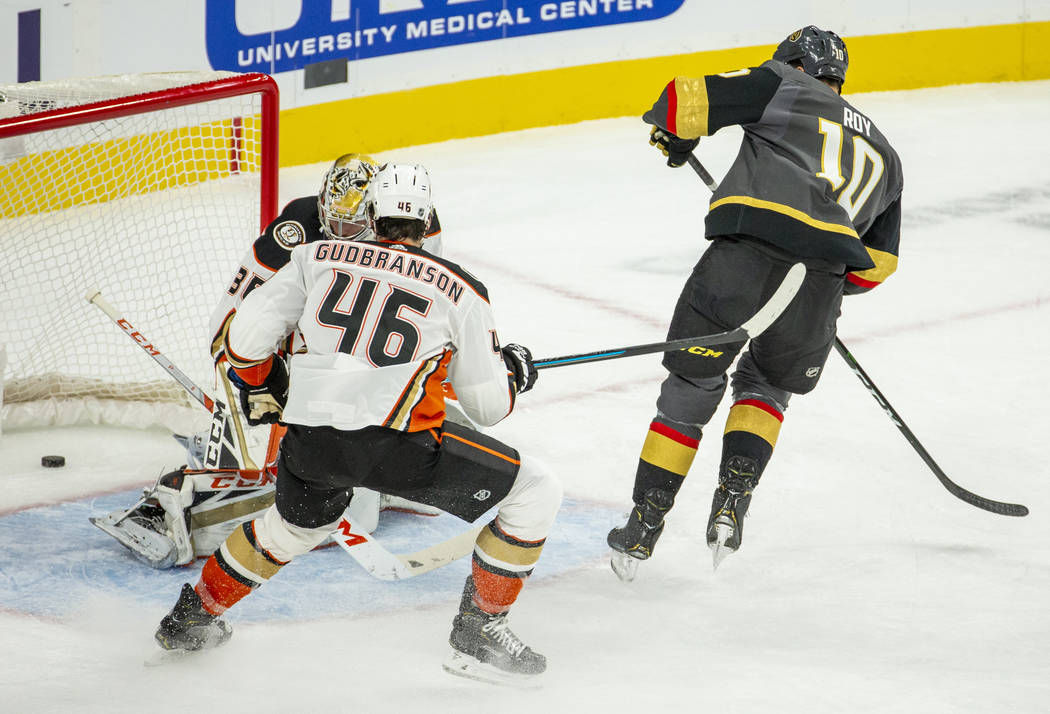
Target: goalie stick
[998,507]
[762,319]
[365,550]
[219,452]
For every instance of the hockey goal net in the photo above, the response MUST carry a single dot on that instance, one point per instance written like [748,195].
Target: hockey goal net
[148,187]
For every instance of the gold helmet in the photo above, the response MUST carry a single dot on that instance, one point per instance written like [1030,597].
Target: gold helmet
[340,205]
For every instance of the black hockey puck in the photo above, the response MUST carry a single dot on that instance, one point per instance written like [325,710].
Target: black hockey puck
[52,462]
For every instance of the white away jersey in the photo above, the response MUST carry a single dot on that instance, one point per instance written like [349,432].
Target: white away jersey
[298,224]
[384,325]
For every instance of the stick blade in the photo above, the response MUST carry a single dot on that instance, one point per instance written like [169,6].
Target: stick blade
[776,304]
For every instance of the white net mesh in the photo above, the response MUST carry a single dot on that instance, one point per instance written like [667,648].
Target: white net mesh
[154,209]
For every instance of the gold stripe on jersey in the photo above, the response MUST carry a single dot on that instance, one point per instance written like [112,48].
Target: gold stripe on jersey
[414,392]
[885,266]
[691,107]
[786,211]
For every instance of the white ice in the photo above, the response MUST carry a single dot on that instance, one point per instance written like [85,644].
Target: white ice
[862,585]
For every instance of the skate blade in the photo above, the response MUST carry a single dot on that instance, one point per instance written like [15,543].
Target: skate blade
[719,550]
[624,566]
[148,546]
[462,665]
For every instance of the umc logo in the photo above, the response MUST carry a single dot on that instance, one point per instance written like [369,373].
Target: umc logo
[321,30]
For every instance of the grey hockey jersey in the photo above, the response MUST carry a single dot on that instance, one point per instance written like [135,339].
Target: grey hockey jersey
[814,176]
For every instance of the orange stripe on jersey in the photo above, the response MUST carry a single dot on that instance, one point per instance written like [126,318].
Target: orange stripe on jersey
[254,374]
[429,411]
[479,447]
[416,391]
[755,417]
[238,362]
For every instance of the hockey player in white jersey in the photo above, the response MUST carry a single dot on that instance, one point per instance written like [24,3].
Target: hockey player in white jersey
[190,511]
[386,324]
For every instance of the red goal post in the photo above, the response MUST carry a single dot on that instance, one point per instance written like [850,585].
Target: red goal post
[150,187]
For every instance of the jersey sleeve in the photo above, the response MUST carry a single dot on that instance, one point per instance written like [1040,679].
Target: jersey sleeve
[269,253]
[266,317]
[882,241]
[477,371]
[691,107]
[250,275]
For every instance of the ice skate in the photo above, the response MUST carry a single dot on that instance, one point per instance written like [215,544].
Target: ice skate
[189,628]
[634,542]
[485,648]
[725,527]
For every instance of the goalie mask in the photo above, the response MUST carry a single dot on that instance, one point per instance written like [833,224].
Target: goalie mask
[821,53]
[401,191]
[341,204]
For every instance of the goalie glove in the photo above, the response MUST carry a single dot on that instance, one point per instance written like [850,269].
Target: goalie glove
[676,149]
[520,369]
[262,403]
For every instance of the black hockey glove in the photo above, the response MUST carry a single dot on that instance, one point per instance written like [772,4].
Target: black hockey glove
[263,404]
[676,150]
[520,366]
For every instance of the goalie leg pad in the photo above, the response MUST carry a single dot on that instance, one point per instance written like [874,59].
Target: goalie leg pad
[145,543]
[174,493]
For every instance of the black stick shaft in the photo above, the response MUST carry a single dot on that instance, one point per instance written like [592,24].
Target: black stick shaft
[703,341]
[1003,509]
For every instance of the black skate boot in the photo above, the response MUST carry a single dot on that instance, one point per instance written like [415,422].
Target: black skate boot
[188,627]
[485,648]
[725,527]
[637,538]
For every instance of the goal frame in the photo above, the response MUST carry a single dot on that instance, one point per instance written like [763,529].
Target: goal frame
[206,90]
[252,83]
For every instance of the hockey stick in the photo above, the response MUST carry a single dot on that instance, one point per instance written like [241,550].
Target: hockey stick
[1003,509]
[384,565]
[220,437]
[755,326]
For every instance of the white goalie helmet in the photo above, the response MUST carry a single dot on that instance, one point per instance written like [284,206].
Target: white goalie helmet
[401,191]
[341,203]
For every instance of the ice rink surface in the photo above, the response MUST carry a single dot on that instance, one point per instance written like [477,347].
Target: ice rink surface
[862,585]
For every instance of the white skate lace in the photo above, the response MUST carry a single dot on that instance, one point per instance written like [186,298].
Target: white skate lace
[502,634]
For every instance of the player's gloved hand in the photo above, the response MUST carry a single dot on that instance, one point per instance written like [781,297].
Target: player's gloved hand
[676,149]
[263,403]
[520,366]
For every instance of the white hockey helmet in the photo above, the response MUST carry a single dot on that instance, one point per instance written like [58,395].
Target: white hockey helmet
[341,203]
[401,191]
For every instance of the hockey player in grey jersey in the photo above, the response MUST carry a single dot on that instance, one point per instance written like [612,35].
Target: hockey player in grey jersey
[814,181]
[386,323]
